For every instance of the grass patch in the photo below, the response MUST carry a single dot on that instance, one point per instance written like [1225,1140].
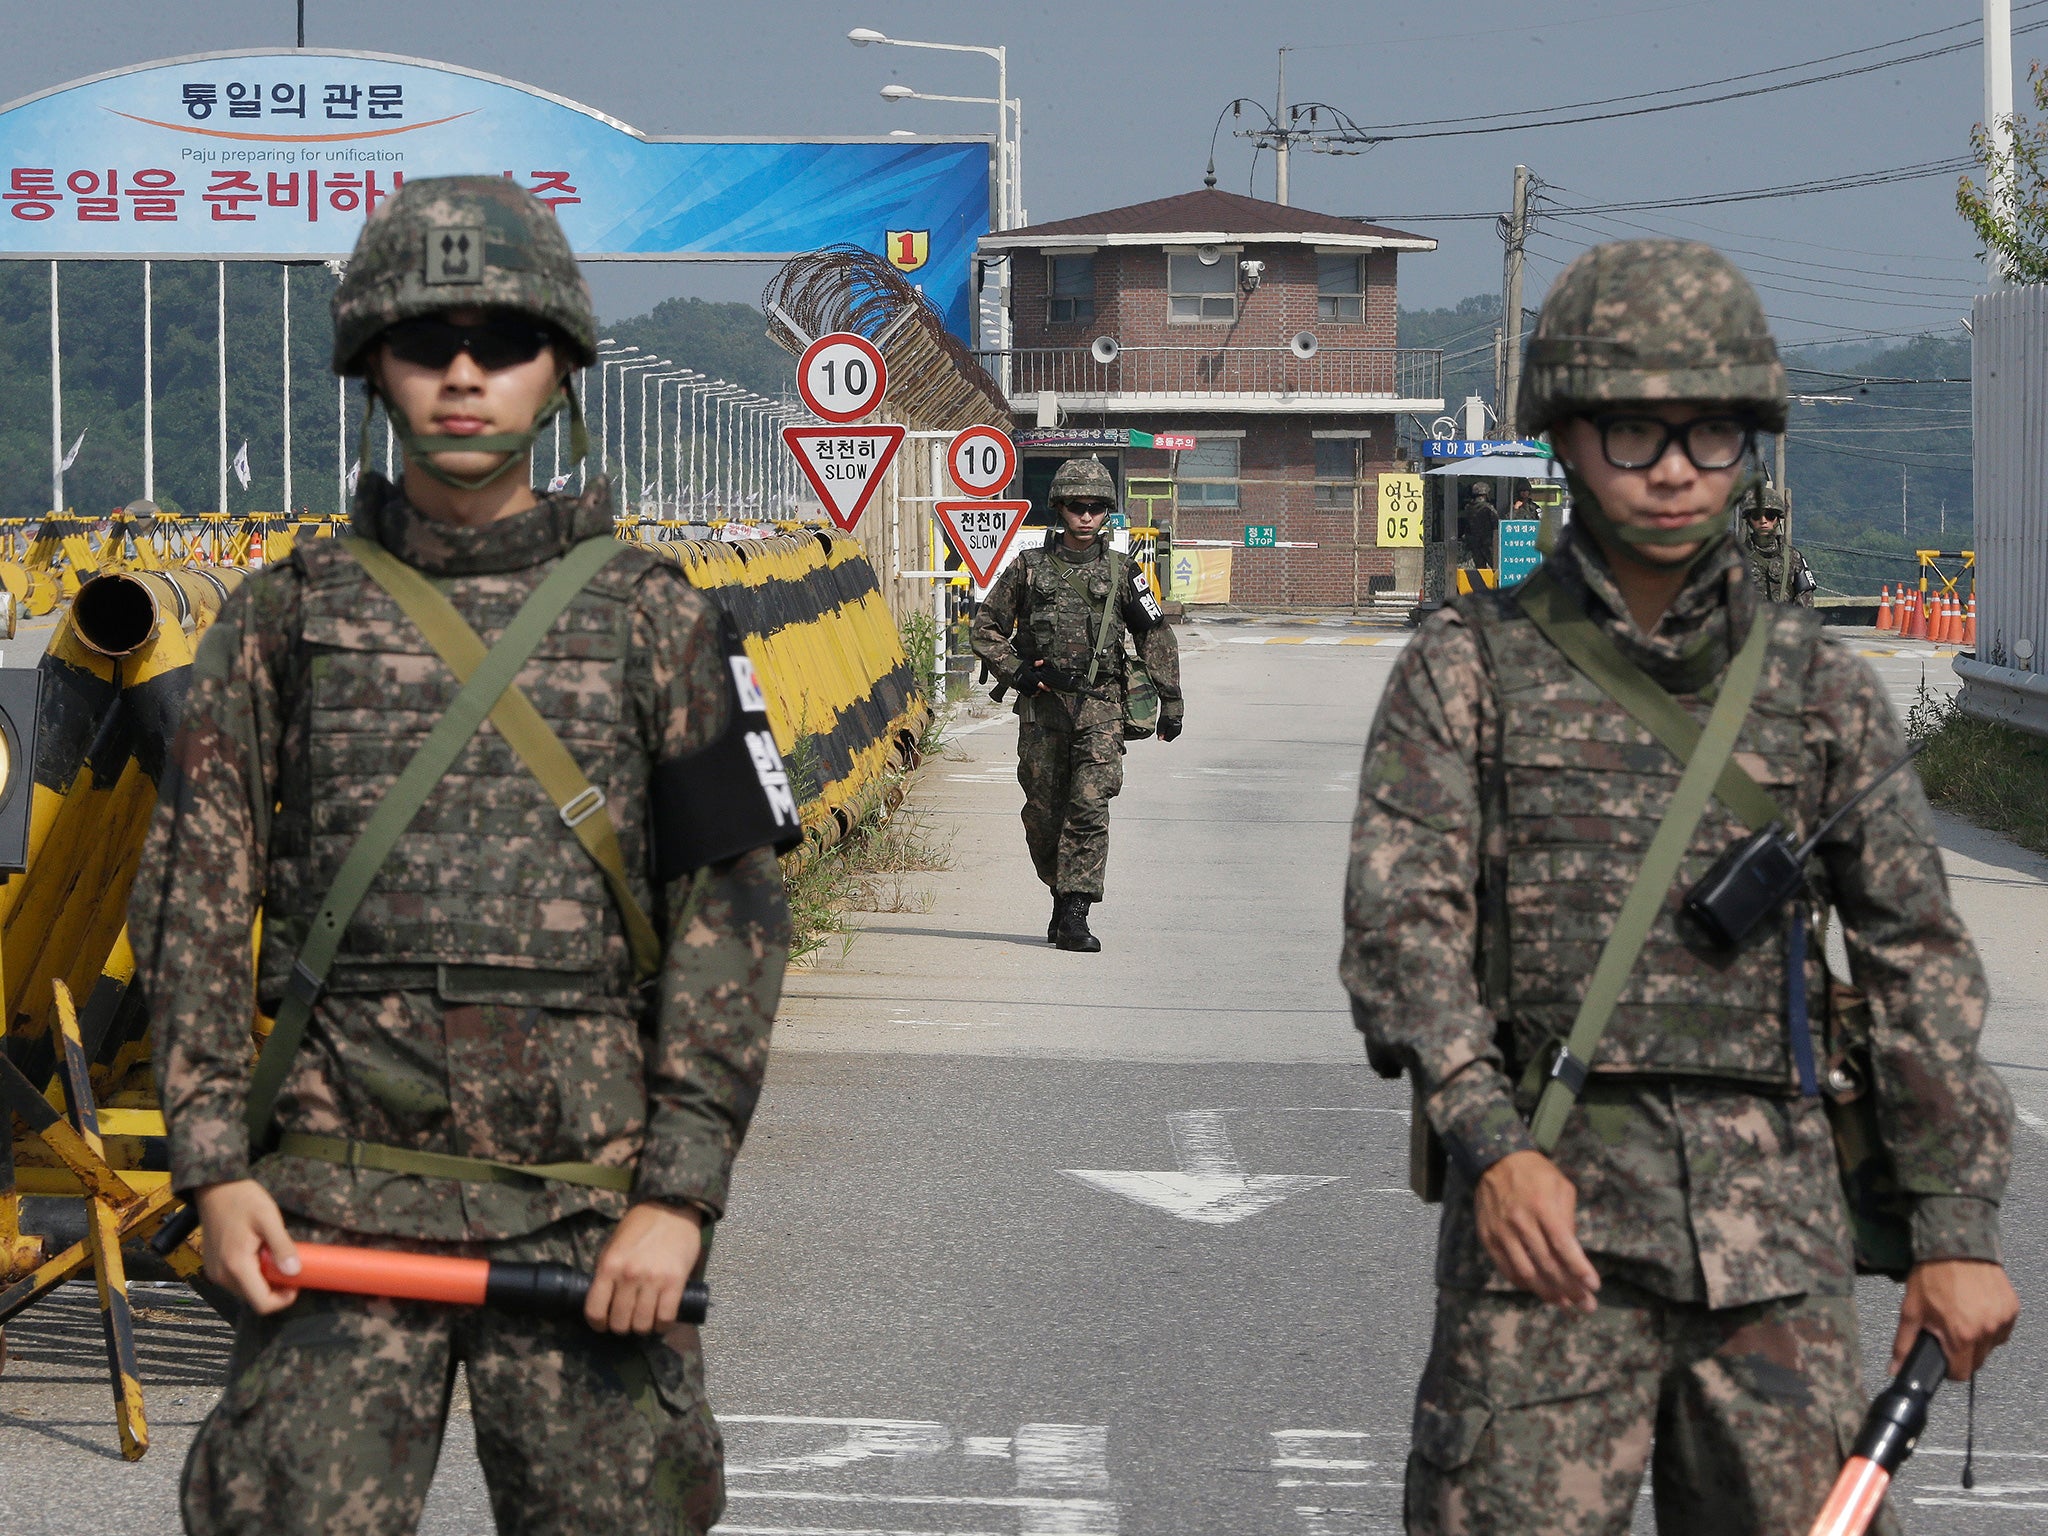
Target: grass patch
[869,870]
[1990,774]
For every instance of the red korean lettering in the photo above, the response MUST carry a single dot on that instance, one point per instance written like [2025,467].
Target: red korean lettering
[228,192]
[553,188]
[33,192]
[94,201]
[153,196]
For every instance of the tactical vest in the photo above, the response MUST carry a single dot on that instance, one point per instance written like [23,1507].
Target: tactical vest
[1062,625]
[487,896]
[1575,789]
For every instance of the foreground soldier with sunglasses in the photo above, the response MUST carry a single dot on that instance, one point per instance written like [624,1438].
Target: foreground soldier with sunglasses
[522,972]
[1647,1235]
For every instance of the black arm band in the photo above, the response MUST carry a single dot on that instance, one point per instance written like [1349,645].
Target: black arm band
[732,795]
[1141,610]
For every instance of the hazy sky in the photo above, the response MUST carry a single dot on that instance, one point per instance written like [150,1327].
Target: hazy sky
[1119,100]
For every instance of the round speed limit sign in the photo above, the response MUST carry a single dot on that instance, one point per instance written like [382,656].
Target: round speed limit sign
[982,460]
[842,376]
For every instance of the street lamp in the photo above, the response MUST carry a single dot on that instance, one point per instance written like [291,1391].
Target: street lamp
[1006,179]
[657,379]
[681,379]
[631,365]
[1010,181]
[612,360]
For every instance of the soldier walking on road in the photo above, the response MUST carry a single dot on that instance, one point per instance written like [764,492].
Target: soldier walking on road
[522,1011]
[1646,1237]
[1779,571]
[1053,629]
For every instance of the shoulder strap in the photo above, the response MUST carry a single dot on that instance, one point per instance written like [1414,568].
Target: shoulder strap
[1645,898]
[1588,648]
[580,803]
[480,693]
[1109,603]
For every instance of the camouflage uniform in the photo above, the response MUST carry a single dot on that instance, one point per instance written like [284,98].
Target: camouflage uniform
[1505,802]
[1070,742]
[1777,569]
[483,1005]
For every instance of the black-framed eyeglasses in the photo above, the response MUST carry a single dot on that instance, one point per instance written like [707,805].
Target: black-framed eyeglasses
[1710,442]
[496,341]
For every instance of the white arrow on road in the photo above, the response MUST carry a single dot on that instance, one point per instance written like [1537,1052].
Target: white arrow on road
[1211,1185]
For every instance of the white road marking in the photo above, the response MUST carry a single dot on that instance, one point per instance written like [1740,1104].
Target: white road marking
[1297,1450]
[1063,1456]
[980,725]
[1978,1504]
[2031,1120]
[833,1530]
[986,1445]
[1041,1517]
[1211,1186]
[862,1440]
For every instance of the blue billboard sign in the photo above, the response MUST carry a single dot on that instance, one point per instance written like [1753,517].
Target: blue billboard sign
[280,156]
[1479,447]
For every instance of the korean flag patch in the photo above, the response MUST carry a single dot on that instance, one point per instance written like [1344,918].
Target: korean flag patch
[752,700]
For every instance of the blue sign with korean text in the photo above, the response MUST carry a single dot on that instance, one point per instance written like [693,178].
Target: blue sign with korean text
[1517,555]
[280,156]
[1472,448]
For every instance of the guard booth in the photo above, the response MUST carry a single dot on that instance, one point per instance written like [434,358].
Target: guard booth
[1452,562]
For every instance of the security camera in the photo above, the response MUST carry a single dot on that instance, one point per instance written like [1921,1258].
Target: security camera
[1249,273]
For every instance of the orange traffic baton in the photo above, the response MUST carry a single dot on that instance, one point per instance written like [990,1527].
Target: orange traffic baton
[550,1288]
[1890,1431]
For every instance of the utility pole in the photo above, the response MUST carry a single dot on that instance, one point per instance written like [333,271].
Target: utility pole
[148,384]
[1281,138]
[1902,500]
[302,23]
[1998,111]
[1511,297]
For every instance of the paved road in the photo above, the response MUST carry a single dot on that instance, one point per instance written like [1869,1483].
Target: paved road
[1030,1243]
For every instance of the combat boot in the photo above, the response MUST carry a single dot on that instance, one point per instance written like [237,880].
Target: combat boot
[1071,932]
[1052,925]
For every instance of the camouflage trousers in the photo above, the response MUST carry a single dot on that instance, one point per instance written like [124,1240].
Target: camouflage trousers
[1069,776]
[1540,1421]
[335,1408]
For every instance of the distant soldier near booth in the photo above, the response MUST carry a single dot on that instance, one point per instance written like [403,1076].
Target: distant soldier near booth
[1053,628]
[1777,568]
[514,1020]
[1665,1145]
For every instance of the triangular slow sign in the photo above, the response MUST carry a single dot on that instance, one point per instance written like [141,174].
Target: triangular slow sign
[845,465]
[980,532]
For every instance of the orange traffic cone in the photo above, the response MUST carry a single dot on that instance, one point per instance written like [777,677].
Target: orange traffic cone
[1937,620]
[1886,623]
[1916,629]
[1952,619]
[1970,623]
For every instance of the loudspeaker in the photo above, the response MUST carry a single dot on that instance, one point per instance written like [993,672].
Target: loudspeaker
[20,689]
[1105,350]
[1304,345]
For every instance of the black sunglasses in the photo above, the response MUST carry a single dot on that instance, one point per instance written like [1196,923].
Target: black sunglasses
[1710,442]
[498,341]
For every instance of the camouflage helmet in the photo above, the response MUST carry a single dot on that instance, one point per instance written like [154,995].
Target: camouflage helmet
[1083,480]
[451,242]
[1651,320]
[1767,498]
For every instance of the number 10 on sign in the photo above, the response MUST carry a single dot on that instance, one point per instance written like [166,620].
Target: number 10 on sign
[1400,511]
[842,377]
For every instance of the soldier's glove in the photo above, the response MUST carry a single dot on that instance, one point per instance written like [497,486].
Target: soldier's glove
[1031,680]
[1169,727]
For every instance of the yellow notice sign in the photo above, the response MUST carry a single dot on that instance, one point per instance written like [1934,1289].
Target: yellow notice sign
[1400,511]
[1200,576]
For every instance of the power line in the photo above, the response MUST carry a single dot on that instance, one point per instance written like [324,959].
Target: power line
[1933,300]
[1756,74]
[1970,283]
[1373,135]
[1849,183]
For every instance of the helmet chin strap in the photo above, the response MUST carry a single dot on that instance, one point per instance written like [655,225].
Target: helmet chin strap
[420,448]
[1707,531]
